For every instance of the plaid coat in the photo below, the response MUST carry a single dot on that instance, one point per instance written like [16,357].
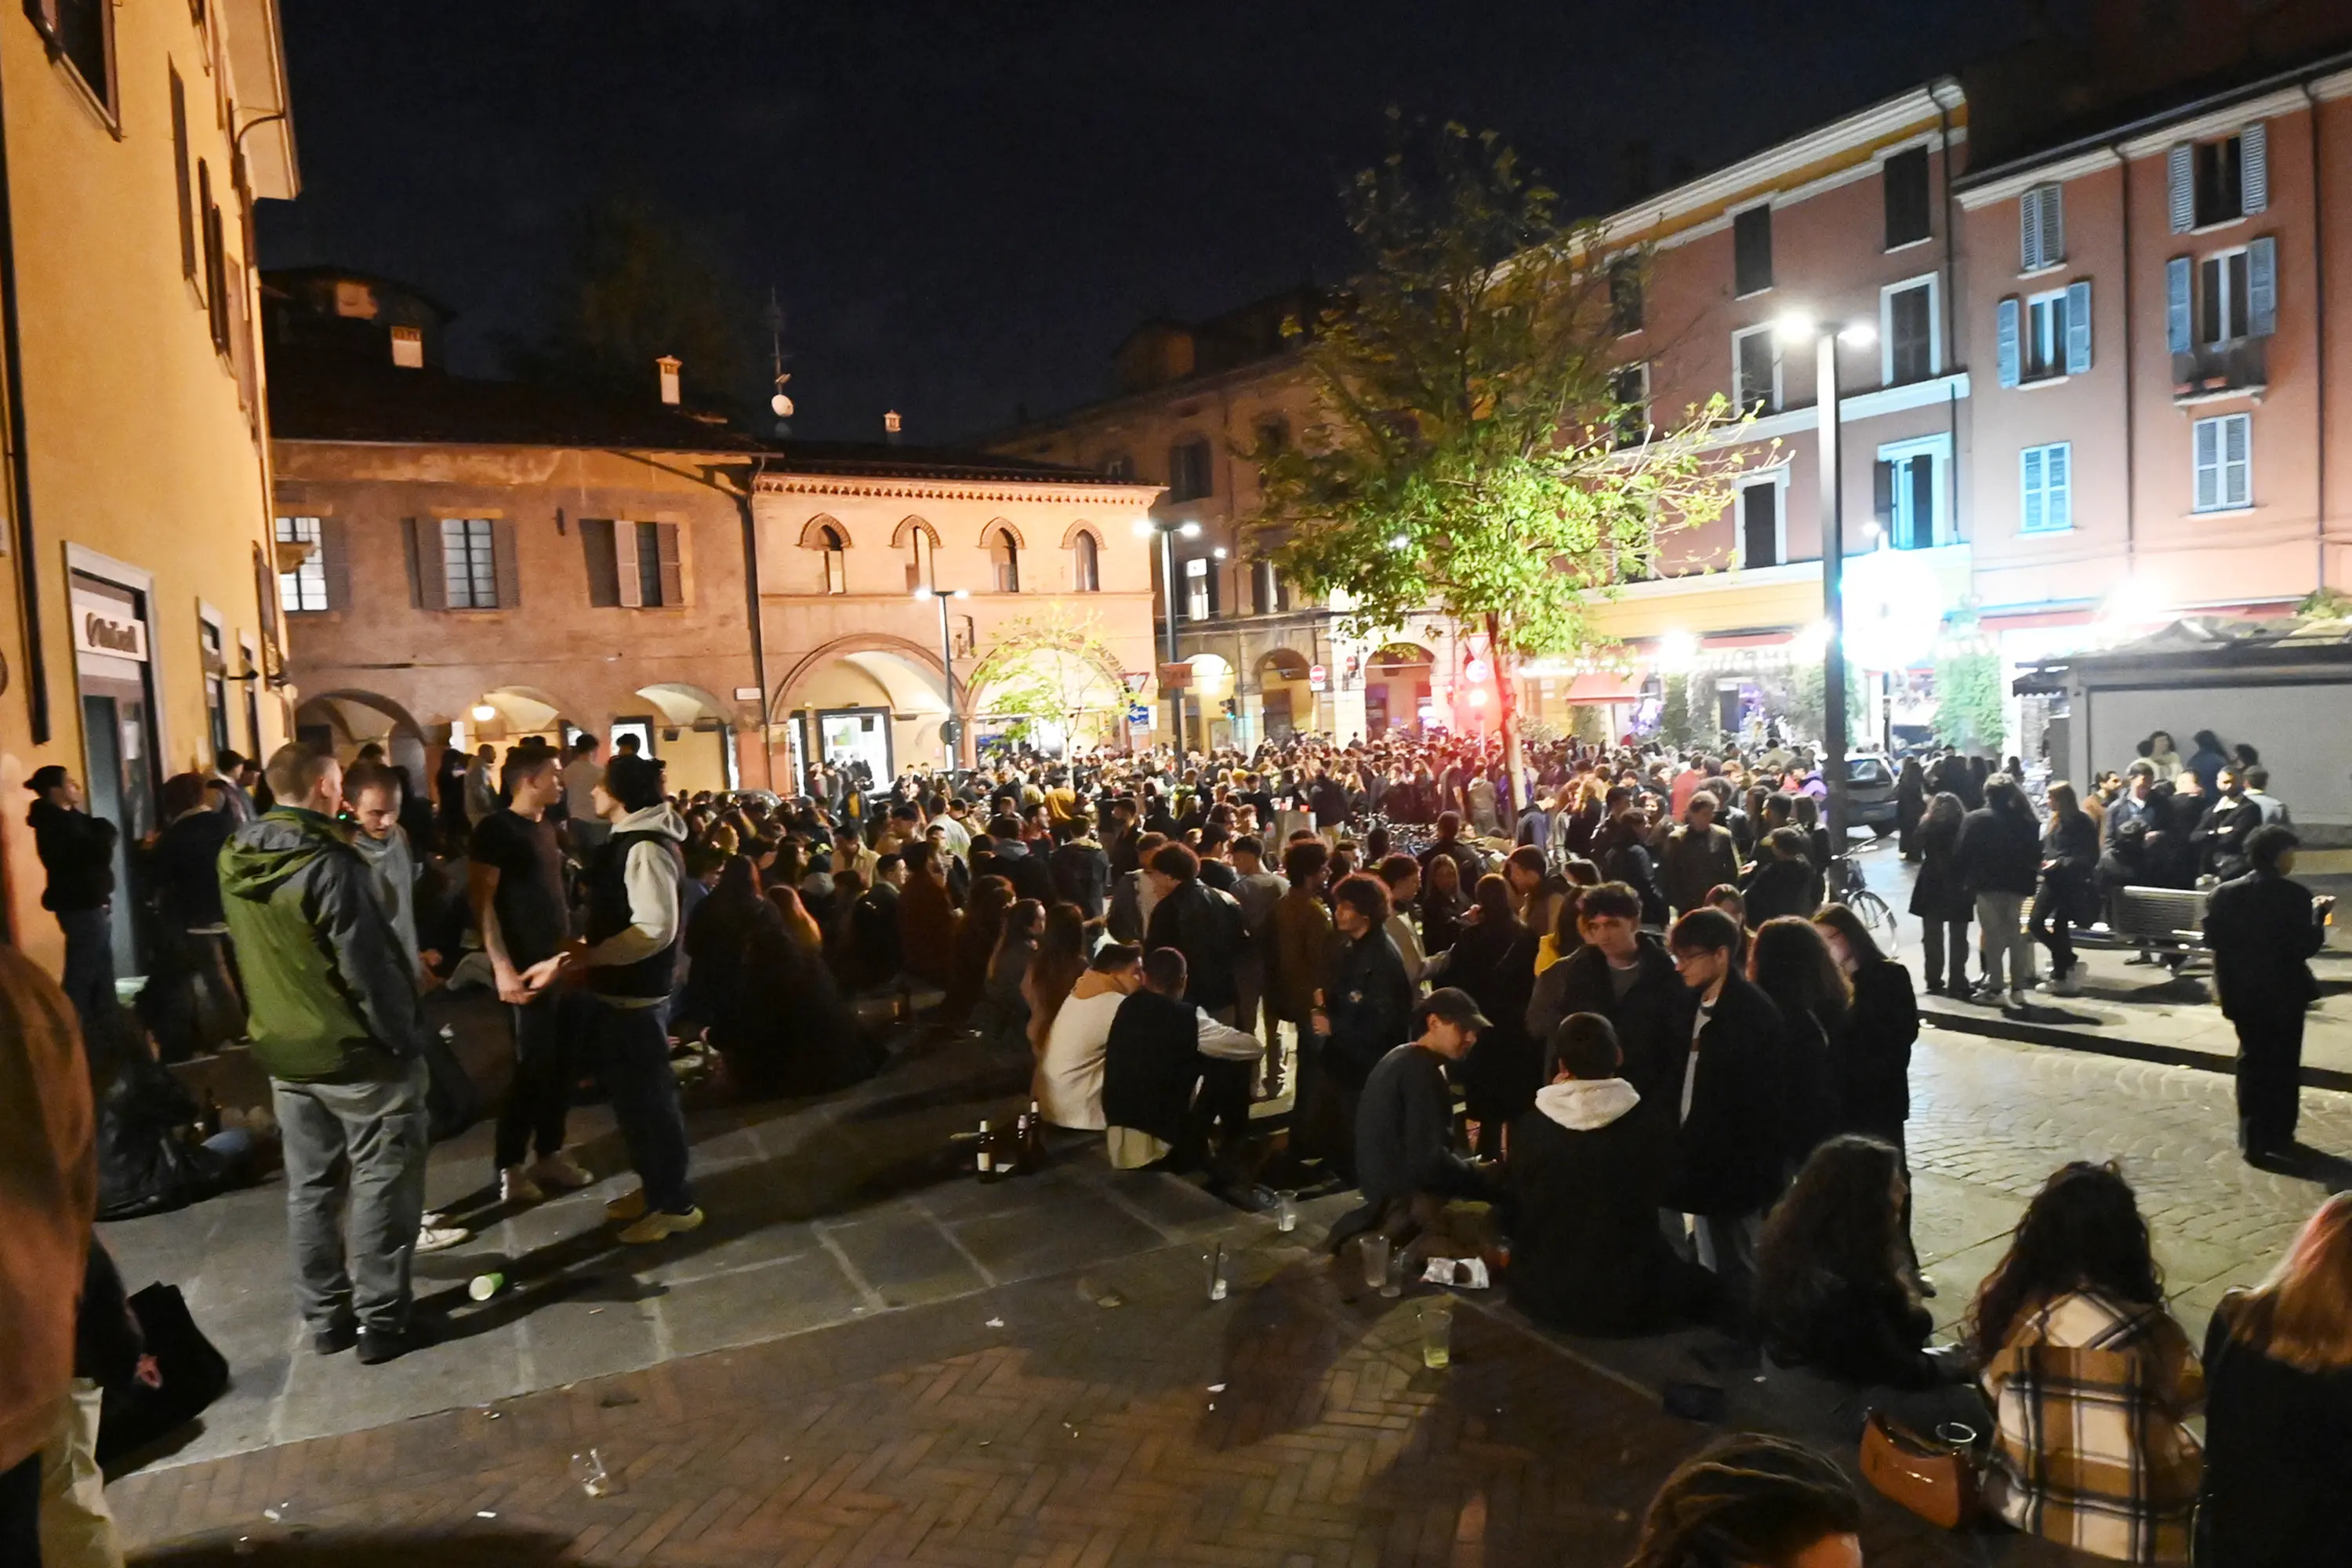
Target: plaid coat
[2091,1395]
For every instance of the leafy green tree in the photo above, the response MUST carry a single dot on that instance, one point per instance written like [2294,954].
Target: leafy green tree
[1472,453]
[1052,667]
[641,282]
[1970,710]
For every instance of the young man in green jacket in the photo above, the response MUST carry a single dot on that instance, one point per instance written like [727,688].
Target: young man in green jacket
[334,1021]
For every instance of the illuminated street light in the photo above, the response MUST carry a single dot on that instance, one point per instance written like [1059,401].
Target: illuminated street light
[484,712]
[1189,529]
[1793,327]
[950,730]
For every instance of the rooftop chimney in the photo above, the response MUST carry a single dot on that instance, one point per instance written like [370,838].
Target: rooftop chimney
[408,347]
[890,427]
[668,366]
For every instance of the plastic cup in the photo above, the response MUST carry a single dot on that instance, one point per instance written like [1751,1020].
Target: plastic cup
[1286,1211]
[1437,1333]
[1392,1277]
[482,1287]
[588,1470]
[1376,1261]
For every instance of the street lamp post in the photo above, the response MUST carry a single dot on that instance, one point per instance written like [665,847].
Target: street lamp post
[951,729]
[1825,336]
[1168,531]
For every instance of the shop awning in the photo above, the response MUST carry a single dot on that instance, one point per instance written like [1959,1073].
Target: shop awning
[1598,687]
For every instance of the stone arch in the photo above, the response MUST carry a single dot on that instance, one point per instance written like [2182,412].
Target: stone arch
[812,531]
[927,660]
[1287,662]
[405,742]
[988,533]
[1070,534]
[909,527]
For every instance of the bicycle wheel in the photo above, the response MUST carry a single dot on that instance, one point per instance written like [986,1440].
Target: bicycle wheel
[1875,914]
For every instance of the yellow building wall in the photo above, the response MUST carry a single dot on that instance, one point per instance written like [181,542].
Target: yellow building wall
[138,444]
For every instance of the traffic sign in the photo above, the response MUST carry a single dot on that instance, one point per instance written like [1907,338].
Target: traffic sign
[951,731]
[1316,676]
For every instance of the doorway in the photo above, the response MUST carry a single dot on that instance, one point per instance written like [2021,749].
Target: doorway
[119,749]
[847,735]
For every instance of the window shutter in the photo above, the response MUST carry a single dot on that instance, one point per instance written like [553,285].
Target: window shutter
[603,580]
[2078,327]
[2053,225]
[2030,519]
[502,557]
[334,560]
[1214,574]
[2028,218]
[2008,335]
[624,564]
[1881,496]
[2262,287]
[428,582]
[2180,183]
[2254,167]
[2175,305]
[2237,488]
[2058,502]
[2209,464]
[673,577]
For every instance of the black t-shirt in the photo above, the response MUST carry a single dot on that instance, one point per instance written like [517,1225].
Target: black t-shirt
[533,914]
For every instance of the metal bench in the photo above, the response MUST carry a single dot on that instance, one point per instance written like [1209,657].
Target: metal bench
[2166,921]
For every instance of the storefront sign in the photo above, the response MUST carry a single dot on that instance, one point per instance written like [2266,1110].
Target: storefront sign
[103,626]
[1175,677]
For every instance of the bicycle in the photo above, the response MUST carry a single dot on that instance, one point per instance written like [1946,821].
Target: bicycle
[1876,915]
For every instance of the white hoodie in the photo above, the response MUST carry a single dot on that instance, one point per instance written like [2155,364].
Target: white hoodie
[1587,1105]
[652,879]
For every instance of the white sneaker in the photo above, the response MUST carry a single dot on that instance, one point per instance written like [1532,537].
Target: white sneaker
[515,1187]
[2017,998]
[441,1237]
[2069,987]
[561,1170]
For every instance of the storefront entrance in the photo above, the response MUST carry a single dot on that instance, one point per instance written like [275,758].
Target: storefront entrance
[120,753]
[847,735]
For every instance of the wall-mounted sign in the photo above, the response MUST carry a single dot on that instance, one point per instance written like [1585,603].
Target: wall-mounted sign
[747,694]
[1175,677]
[102,625]
[1316,676]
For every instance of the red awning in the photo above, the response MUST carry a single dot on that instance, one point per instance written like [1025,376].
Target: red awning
[1591,690]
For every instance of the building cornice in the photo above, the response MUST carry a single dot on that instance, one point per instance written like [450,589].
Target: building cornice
[2229,116]
[2089,161]
[1104,492]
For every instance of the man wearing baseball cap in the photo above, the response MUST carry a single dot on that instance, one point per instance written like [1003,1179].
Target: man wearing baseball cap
[1405,1163]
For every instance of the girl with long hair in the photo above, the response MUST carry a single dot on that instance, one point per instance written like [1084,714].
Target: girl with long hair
[1062,955]
[1872,1055]
[1790,962]
[2091,1379]
[1442,901]
[2278,1416]
[1003,1015]
[2067,895]
[1939,897]
[929,921]
[798,924]
[1504,1068]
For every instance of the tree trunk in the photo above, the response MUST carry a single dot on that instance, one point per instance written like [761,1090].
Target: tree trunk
[1506,700]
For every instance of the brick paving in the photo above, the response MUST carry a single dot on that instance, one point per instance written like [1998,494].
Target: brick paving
[936,1378]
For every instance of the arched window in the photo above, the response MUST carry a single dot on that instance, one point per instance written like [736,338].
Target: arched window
[1004,556]
[1088,557]
[918,560]
[836,561]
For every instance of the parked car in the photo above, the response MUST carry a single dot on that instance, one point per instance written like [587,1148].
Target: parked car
[1870,793]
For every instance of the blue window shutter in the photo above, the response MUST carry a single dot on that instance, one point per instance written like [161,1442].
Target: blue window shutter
[2008,341]
[2254,167]
[2030,518]
[2262,287]
[2180,181]
[2175,305]
[2053,225]
[2029,218]
[2078,327]
[2058,494]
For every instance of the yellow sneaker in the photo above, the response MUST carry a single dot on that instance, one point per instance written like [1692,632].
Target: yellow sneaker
[659,1226]
[628,1206]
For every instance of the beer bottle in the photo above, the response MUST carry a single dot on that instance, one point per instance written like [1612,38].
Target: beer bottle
[1033,1140]
[986,1158]
[1017,1157]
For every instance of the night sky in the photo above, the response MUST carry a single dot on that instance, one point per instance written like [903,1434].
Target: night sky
[964,208]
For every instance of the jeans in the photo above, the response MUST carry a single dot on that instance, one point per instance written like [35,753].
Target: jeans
[363,1138]
[89,970]
[2052,927]
[1935,938]
[632,1055]
[1725,1244]
[2270,1072]
[540,1098]
[2001,934]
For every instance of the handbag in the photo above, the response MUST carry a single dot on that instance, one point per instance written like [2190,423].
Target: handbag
[1940,1482]
[133,1415]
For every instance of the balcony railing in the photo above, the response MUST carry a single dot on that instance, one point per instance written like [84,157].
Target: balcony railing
[2215,370]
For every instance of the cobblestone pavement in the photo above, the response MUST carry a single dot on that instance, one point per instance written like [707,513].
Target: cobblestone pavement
[969,1395]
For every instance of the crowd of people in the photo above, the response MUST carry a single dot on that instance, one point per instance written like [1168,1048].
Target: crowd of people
[1681,1060]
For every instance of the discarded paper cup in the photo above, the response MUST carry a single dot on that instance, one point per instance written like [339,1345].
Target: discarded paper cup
[482,1287]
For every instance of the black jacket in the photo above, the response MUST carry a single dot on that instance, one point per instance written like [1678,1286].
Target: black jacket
[1150,1063]
[1939,894]
[2278,1458]
[1651,1019]
[1873,1052]
[1727,1151]
[1015,862]
[2261,930]
[1587,1255]
[1369,1001]
[2221,838]
[1778,886]
[1404,1129]
[76,850]
[1081,875]
[1206,927]
[1863,1331]
[1497,964]
[1998,853]
[183,868]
